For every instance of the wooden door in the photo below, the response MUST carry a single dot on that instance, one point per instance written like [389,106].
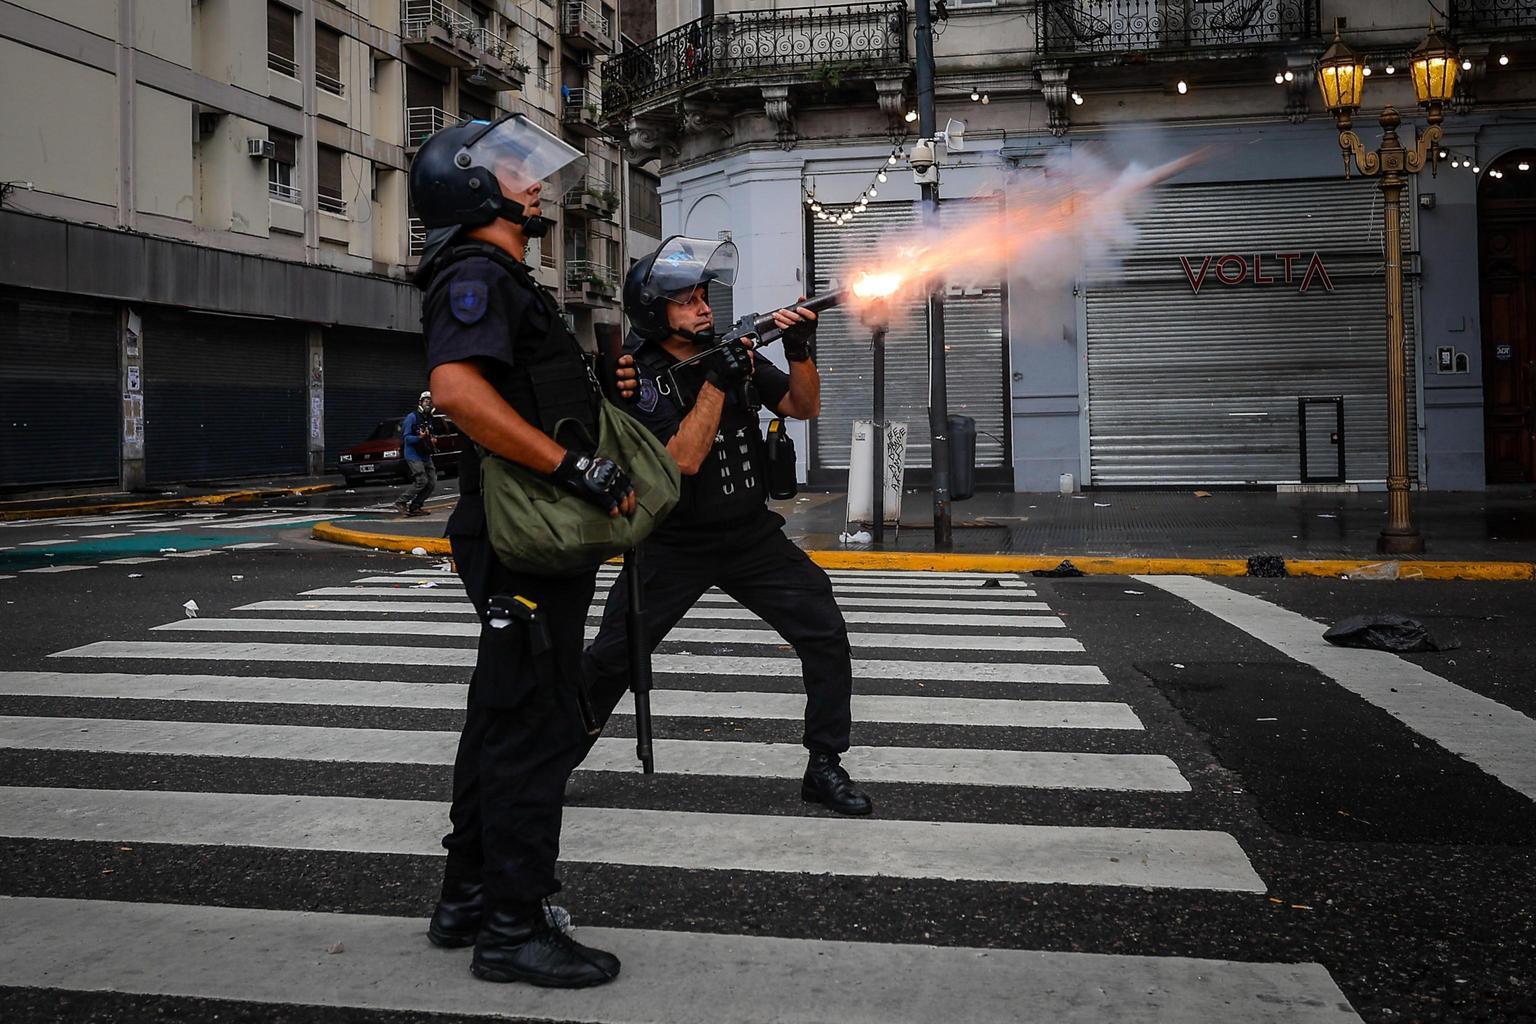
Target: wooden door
[1507,233]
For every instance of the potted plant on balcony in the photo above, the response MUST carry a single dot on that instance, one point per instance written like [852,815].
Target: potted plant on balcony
[609,200]
[598,284]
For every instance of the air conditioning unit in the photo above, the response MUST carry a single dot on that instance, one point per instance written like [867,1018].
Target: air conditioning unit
[261,149]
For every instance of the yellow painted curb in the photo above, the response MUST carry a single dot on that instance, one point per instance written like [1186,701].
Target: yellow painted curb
[227,498]
[383,541]
[1093,566]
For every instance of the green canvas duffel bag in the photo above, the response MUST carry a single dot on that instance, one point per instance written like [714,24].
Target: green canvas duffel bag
[537,526]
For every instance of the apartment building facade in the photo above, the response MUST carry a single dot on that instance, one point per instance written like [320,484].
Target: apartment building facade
[1239,340]
[205,223]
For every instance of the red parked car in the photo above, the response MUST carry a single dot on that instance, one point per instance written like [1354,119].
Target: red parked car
[381,458]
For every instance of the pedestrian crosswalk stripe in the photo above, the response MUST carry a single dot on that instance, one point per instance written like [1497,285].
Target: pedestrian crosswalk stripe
[699,612]
[943,766]
[254,524]
[278,957]
[81,520]
[444,592]
[56,542]
[60,568]
[838,586]
[689,840]
[729,704]
[381,627]
[671,664]
[131,561]
[252,545]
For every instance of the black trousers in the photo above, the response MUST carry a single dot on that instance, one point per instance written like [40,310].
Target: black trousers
[758,566]
[523,733]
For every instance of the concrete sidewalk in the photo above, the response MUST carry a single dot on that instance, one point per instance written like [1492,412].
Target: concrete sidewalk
[1489,535]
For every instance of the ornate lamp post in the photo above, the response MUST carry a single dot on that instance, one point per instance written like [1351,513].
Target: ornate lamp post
[1341,77]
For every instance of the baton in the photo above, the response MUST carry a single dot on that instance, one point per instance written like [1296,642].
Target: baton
[611,340]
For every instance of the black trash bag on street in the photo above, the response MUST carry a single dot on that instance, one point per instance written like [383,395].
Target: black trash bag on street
[1395,633]
[1270,566]
[1064,570]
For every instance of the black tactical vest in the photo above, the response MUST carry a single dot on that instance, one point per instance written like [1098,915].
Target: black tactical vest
[550,379]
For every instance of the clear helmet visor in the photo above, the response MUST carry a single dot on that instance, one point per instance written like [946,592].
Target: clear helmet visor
[520,153]
[682,264]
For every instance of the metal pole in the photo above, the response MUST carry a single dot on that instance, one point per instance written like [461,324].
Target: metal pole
[1400,536]
[639,661]
[938,397]
[878,431]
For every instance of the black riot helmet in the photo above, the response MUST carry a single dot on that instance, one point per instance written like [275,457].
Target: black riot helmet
[463,175]
[670,274]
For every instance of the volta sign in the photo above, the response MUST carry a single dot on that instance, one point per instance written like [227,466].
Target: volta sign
[1233,269]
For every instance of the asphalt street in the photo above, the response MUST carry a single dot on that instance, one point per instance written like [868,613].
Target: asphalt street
[1101,799]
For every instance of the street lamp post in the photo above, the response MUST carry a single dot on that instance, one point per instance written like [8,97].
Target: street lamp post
[1341,77]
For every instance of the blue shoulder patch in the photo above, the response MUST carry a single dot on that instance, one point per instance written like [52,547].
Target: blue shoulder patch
[648,396]
[467,300]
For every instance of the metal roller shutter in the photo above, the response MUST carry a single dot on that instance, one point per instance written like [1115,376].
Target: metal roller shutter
[1187,388]
[223,397]
[369,376]
[973,334]
[60,399]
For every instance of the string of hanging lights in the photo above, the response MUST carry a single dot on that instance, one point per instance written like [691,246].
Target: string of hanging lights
[842,213]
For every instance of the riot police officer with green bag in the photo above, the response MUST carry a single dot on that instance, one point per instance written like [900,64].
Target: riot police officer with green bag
[506,369]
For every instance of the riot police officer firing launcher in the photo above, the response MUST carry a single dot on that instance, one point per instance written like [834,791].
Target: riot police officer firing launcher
[722,534]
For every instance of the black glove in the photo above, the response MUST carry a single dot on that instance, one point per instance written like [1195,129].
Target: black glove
[797,341]
[728,366]
[593,479]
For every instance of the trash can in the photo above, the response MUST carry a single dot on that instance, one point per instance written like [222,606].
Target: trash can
[962,457]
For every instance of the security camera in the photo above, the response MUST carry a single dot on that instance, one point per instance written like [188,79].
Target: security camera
[924,156]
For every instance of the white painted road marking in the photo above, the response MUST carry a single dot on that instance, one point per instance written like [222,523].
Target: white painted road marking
[277,957]
[946,766]
[444,591]
[683,664]
[691,840]
[696,613]
[1497,739]
[384,627]
[732,704]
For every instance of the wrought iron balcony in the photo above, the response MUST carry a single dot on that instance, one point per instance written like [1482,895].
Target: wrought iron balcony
[591,194]
[1492,19]
[422,122]
[590,284]
[1109,30]
[581,112]
[586,26]
[728,48]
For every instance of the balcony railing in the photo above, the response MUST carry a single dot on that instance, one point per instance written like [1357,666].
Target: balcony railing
[284,193]
[331,204]
[1492,17]
[417,17]
[416,239]
[592,193]
[325,82]
[590,276]
[1097,28]
[755,43]
[282,65]
[575,13]
[491,44]
[422,122]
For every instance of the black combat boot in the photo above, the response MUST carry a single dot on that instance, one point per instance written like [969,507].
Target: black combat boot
[516,943]
[460,908]
[827,782]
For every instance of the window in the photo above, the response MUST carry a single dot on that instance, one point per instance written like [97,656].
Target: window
[607,23]
[328,168]
[614,258]
[281,55]
[281,167]
[328,60]
[472,106]
[546,56]
[421,89]
[644,203]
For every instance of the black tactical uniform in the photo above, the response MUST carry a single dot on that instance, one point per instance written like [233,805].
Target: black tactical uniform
[722,534]
[523,735]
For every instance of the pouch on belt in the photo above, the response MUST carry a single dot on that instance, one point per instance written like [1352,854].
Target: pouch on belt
[517,667]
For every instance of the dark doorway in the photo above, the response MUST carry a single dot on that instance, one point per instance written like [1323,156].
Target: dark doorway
[1506,211]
